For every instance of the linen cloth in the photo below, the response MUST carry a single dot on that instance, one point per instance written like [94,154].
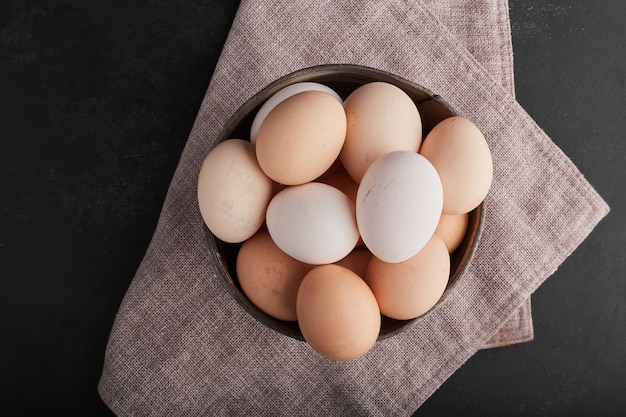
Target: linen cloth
[483,27]
[182,346]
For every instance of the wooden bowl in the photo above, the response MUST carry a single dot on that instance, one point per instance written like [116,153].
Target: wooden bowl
[343,79]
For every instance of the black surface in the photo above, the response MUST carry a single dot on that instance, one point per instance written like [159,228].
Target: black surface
[97,99]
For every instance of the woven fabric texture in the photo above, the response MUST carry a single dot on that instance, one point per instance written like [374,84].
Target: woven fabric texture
[181,346]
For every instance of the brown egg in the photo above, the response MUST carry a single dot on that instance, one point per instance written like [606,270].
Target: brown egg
[461,156]
[269,277]
[381,118]
[337,313]
[301,137]
[409,289]
[452,229]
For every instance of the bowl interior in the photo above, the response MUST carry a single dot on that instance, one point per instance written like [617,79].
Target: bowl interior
[343,79]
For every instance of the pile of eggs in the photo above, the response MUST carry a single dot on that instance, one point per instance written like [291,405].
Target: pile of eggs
[344,212]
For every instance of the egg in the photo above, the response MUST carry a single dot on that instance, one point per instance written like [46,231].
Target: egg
[452,229]
[460,154]
[314,223]
[301,137]
[337,313]
[269,277]
[281,95]
[380,118]
[233,192]
[409,289]
[398,205]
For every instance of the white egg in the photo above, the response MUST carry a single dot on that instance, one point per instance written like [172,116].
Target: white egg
[281,95]
[314,223]
[399,202]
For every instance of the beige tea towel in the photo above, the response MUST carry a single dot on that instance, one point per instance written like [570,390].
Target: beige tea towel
[484,29]
[181,346]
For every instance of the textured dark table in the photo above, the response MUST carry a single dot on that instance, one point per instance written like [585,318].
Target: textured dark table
[96,101]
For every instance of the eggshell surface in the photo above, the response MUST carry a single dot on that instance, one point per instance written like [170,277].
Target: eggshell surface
[380,118]
[460,154]
[452,229]
[314,223]
[398,205]
[337,313]
[233,191]
[409,289]
[301,137]
[269,277]
[281,95]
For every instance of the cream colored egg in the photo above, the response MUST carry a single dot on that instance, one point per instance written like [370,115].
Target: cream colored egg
[381,118]
[233,191]
[301,137]
[337,313]
[409,289]
[269,277]
[460,154]
[452,229]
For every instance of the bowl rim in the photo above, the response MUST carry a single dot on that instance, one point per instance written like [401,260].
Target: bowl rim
[315,73]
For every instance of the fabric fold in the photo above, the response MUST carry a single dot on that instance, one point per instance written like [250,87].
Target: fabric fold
[182,346]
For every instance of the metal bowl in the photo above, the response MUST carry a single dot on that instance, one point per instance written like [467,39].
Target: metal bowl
[343,79]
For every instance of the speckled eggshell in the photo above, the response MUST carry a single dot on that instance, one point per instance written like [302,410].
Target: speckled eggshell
[269,277]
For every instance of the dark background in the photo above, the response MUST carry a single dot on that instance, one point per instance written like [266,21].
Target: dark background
[97,99]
